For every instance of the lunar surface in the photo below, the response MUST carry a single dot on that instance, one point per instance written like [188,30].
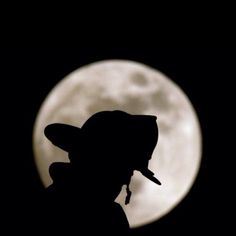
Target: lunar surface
[137,89]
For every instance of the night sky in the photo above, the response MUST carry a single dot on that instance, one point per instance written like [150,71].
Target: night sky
[28,75]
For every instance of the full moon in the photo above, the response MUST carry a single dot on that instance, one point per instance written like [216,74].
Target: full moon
[137,89]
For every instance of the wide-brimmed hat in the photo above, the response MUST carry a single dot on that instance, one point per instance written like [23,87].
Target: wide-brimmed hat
[136,135]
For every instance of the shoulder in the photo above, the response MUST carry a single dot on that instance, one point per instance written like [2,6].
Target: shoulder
[119,219]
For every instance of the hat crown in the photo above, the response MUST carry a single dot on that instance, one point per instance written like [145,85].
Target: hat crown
[122,132]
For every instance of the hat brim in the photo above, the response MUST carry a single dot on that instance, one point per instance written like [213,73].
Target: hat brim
[66,137]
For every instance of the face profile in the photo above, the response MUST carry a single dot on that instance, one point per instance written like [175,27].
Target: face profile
[116,143]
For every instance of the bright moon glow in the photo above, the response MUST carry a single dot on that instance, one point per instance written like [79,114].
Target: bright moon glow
[137,89]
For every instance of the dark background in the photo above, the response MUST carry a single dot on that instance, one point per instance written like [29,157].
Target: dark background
[204,74]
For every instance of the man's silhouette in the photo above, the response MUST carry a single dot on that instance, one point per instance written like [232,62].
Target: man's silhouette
[103,155]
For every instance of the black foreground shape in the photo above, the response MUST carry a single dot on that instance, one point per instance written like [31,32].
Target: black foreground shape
[103,154]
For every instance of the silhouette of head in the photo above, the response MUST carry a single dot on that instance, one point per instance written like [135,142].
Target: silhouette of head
[111,144]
